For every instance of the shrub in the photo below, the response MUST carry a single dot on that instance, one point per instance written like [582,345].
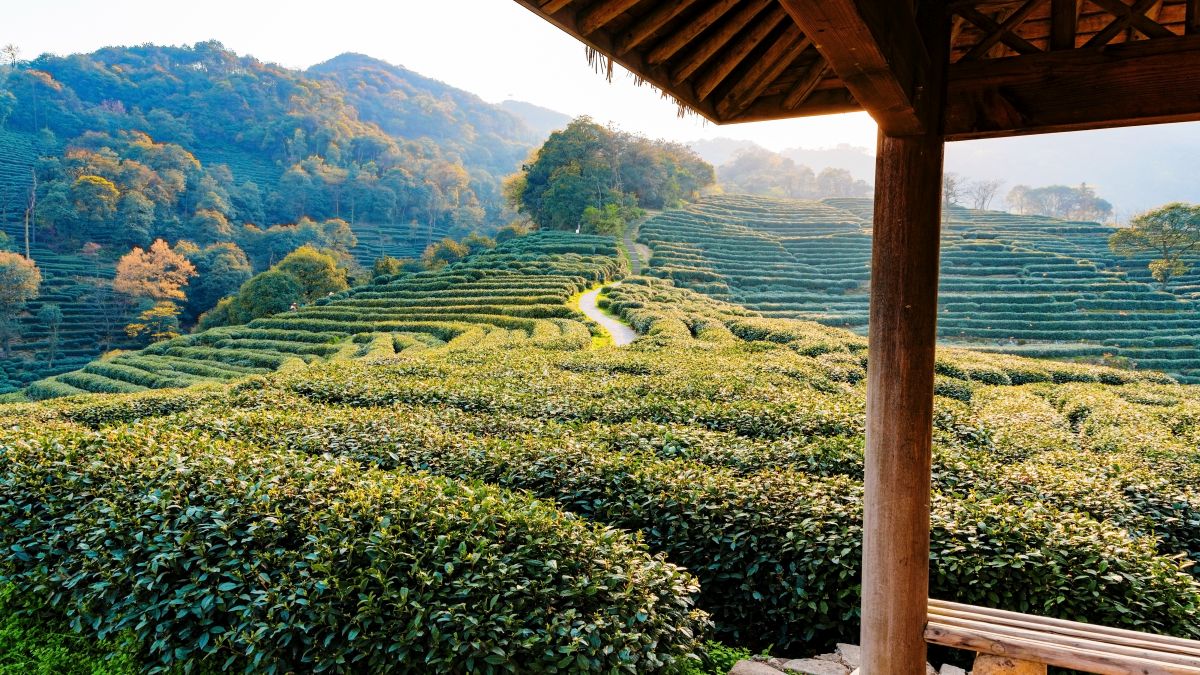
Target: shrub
[372,570]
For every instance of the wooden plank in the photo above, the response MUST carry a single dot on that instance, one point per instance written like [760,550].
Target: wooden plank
[1064,657]
[822,102]
[597,16]
[1070,642]
[773,63]
[710,45]
[1094,631]
[989,25]
[677,40]
[1144,82]
[554,6]
[1191,22]
[1008,27]
[644,28]
[1064,22]
[1124,16]
[876,48]
[902,336]
[1136,16]
[736,53]
[805,86]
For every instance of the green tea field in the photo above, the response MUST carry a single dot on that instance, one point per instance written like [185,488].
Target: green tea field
[1019,284]
[452,451]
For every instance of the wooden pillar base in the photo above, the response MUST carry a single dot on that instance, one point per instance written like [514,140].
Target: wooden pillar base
[986,664]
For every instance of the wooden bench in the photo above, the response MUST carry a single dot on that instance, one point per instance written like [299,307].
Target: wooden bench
[1008,642]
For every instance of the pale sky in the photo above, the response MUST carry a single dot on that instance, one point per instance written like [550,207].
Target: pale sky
[499,50]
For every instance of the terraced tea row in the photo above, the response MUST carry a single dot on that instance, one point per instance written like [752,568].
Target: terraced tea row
[705,481]
[515,294]
[1025,284]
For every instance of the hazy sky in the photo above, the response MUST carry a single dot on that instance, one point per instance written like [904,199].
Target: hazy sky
[499,50]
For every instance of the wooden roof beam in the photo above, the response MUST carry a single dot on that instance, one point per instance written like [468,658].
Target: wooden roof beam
[1126,16]
[1142,82]
[713,43]
[806,85]
[596,17]
[602,41]
[782,53]
[1064,23]
[989,26]
[875,47]
[648,25]
[1007,28]
[723,66]
[678,39]
[1192,20]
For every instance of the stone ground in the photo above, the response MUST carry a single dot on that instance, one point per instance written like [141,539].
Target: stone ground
[843,661]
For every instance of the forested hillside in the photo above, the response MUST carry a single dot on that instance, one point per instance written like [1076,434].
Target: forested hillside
[1021,284]
[115,149]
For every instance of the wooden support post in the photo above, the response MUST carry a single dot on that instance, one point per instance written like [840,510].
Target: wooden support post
[902,333]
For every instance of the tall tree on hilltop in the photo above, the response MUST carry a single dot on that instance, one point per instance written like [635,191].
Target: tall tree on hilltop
[1170,232]
[19,283]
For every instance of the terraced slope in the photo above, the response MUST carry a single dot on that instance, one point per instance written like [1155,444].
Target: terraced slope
[1029,285]
[515,294]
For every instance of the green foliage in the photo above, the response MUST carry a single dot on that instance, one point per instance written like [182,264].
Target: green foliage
[34,642]
[588,166]
[316,271]
[220,270]
[443,253]
[253,535]
[20,279]
[1169,232]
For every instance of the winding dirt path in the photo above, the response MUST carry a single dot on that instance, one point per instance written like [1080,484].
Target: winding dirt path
[621,333]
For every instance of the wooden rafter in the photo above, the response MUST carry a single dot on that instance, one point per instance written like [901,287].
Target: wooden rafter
[782,53]
[648,25]
[597,16]
[1127,16]
[806,84]
[1007,27]
[1192,18]
[717,39]
[553,6]
[989,26]
[1123,84]
[876,48]
[680,38]
[732,57]
[1064,23]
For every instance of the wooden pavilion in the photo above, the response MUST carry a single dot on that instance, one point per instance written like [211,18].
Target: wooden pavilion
[928,71]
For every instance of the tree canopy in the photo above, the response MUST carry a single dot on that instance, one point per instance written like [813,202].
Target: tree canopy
[19,283]
[1059,201]
[587,165]
[1169,232]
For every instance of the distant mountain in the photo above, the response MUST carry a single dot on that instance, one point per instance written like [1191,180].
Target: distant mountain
[543,121]
[718,151]
[858,161]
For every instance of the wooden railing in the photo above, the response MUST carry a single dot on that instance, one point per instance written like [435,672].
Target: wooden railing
[1009,642]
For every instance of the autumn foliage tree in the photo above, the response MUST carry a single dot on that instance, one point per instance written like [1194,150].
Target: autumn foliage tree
[156,276]
[19,283]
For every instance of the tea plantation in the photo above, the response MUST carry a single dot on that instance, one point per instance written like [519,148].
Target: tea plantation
[441,473]
[515,293]
[1020,284]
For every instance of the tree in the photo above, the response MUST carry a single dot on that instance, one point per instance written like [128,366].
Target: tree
[1171,232]
[1059,201]
[268,293]
[953,187]
[982,192]
[159,322]
[477,243]
[446,251]
[220,270]
[50,316]
[95,199]
[19,283]
[157,274]
[316,271]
